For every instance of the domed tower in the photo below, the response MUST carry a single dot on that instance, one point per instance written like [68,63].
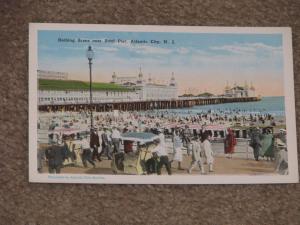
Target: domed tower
[114,78]
[246,85]
[149,79]
[173,81]
[140,77]
[252,90]
[246,89]
[252,87]
[173,88]
[227,89]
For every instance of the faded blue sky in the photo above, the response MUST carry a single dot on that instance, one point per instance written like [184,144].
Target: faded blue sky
[200,61]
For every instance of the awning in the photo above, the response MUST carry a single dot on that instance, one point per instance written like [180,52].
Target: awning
[139,137]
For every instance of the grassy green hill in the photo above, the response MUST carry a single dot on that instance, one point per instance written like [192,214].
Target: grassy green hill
[63,85]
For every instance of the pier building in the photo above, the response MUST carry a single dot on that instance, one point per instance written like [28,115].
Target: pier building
[237,91]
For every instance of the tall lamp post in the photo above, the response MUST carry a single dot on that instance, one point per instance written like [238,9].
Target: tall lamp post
[90,56]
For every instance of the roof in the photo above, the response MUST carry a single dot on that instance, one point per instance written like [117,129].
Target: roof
[76,85]
[238,88]
[139,136]
[215,127]
[158,85]
[205,94]
[129,84]
[126,77]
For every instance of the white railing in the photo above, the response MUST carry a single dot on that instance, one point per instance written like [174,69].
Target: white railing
[108,101]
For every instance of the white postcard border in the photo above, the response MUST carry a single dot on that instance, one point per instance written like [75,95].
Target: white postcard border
[292,177]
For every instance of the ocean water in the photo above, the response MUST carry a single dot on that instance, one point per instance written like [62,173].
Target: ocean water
[271,105]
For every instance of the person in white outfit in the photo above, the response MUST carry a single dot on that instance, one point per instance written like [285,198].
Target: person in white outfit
[177,149]
[86,153]
[161,152]
[206,148]
[100,132]
[196,155]
[161,139]
[116,139]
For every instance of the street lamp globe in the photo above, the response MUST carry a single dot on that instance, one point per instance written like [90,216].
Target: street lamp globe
[90,53]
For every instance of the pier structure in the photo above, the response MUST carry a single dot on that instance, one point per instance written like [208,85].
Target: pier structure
[142,105]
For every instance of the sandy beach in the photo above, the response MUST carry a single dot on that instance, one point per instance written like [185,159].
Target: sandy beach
[218,120]
[223,165]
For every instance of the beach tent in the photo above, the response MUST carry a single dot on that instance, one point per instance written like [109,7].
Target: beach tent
[216,129]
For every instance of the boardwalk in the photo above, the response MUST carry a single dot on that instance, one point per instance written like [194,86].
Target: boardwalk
[223,166]
[182,102]
[242,163]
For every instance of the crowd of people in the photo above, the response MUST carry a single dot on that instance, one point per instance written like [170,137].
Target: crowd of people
[104,139]
[105,142]
[163,118]
[212,117]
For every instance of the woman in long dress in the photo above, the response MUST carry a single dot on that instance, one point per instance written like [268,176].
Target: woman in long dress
[267,145]
[206,148]
[229,143]
[177,149]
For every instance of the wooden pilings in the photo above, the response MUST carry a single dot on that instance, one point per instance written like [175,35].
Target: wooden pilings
[145,105]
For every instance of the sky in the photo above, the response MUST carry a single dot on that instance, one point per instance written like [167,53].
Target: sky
[201,62]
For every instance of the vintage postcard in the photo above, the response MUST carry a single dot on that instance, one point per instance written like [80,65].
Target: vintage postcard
[161,104]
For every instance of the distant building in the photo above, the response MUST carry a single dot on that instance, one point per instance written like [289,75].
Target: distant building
[52,75]
[57,97]
[239,91]
[129,88]
[147,89]
[123,80]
